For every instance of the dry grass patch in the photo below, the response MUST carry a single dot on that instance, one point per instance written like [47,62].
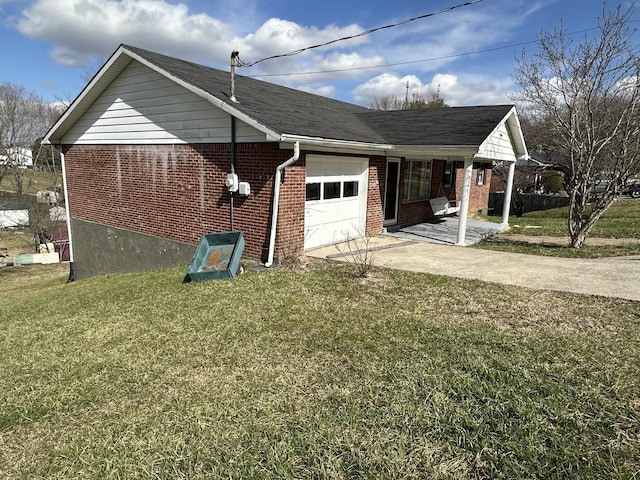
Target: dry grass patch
[314,374]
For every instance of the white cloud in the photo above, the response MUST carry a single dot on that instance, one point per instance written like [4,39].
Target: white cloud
[83,29]
[472,91]
[277,36]
[386,85]
[324,90]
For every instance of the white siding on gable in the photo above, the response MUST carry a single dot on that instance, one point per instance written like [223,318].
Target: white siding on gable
[142,106]
[498,146]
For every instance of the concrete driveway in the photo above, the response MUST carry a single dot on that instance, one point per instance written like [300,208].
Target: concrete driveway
[611,277]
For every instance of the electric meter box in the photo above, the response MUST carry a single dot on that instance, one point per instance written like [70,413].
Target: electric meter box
[244,188]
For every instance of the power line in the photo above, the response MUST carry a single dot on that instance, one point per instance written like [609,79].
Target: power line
[361,34]
[409,62]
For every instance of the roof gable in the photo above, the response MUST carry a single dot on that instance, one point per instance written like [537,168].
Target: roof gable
[506,142]
[142,106]
[284,114]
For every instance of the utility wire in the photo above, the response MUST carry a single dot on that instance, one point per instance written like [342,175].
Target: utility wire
[361,34]
[409,62]
[432,59]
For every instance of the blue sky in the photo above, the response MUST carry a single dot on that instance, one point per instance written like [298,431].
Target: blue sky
[52,47]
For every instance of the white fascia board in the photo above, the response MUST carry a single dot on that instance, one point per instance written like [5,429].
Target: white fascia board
[271,135]
[462,151]
[326,144]
[481,159]
[512,123]
[84,94]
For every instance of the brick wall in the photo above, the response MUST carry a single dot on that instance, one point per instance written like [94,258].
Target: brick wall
[375,195]
[479,194]
[178,191]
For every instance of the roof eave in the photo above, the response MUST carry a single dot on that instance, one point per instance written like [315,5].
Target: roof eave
[327,144]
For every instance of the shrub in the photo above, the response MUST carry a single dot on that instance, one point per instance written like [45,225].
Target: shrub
[552,181]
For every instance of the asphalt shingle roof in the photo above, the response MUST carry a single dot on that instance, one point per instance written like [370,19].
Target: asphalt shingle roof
[289,111]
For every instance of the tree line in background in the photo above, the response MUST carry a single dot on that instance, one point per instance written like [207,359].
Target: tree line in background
[417,101]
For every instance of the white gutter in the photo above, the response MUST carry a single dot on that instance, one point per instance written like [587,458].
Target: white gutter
[67,213]
[318,143]
[276,196]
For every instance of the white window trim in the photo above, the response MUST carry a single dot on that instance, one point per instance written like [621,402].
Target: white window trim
[427,193]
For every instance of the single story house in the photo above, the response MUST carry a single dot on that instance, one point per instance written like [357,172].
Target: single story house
[158,151]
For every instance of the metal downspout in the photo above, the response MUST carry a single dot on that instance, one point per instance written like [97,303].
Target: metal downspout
[276,197]
[68,214]
[233,166]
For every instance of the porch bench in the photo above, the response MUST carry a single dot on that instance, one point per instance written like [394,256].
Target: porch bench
[443,206]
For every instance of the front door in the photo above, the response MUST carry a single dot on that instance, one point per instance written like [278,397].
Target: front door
[391,191]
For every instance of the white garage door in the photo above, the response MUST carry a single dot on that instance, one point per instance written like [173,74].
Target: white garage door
[336,199]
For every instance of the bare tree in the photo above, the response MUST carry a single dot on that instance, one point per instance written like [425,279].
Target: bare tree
[587,97]
[416,102]
[24,117]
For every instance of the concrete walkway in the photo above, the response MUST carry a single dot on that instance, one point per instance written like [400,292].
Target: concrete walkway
[611,277]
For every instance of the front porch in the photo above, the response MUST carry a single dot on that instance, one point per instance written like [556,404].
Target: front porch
[444,231]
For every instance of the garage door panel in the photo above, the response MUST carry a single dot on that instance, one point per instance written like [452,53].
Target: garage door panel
[328,213]
[332,232]
[339,211]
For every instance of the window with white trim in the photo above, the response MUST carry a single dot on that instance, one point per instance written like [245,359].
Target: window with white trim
[449,173]
[417,180]
[481,175]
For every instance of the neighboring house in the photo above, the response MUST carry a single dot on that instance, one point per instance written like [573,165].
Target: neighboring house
[22,157]
[528,175]
[13,215]
[150,142]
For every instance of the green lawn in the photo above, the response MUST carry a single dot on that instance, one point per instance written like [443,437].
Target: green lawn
[32,181]
[313,374]
[620,221]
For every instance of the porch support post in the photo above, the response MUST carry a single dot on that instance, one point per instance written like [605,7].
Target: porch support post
[464,204]
[507,194]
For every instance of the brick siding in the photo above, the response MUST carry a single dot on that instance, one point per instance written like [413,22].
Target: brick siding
[417,211]
[375,195]
[178,191]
